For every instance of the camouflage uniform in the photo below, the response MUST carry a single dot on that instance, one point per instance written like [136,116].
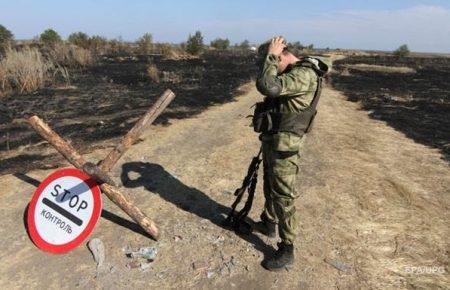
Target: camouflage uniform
[295,89]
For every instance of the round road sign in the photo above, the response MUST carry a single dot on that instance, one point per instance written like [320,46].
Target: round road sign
[64,210]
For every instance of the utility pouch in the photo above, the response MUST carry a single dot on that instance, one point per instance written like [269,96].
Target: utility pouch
[261,118]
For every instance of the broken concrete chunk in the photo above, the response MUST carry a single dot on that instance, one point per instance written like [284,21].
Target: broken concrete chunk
[98,251]
[148,253]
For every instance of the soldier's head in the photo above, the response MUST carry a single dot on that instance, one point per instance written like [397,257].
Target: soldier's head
[288,55]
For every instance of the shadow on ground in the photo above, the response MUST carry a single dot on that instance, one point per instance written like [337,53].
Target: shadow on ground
[156,179]
[417,104]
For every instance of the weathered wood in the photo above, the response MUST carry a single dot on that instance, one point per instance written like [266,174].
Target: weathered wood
[134,212]
[59,143]
[95,172]
[78,161]
[132,135]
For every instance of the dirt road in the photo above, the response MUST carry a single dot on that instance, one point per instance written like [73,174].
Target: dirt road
[373,203]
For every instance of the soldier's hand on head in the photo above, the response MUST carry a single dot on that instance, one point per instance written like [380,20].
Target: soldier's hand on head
[277,45]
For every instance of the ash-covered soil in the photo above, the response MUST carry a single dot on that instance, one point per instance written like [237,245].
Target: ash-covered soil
[104,102]
[415,102]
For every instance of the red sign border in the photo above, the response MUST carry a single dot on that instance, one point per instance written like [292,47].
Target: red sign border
[64,248]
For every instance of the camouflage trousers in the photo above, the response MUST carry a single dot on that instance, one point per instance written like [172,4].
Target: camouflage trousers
[281,160]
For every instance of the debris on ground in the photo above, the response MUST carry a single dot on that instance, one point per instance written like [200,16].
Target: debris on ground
[338,265]
[148,253]
[98,251]
[389,98]
[142,258]
[133,264]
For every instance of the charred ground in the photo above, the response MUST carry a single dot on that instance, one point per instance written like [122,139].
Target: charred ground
[415,103]
[104,102]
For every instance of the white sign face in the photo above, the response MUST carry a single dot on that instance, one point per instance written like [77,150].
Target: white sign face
[64,210]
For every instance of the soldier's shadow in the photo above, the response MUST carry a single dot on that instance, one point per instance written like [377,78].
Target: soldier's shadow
[157,180]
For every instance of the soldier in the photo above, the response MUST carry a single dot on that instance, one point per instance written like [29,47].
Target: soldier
[291,86]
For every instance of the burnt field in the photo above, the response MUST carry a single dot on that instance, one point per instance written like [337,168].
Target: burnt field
[103,102]
[411,94]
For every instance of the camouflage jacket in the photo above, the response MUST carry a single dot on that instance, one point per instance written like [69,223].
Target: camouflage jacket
[295,86]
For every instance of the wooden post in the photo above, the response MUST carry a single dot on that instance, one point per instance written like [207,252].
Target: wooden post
[132,135]
[78,161]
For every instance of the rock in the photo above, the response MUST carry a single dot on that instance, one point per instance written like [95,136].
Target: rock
[209,274]
[98,251]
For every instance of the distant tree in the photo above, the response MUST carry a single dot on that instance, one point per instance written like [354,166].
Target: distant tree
[50,37]
[402,51]
[297,45]
[194,44]
[145,43]
[6,37]
[245,44]
[310,47]
[220,43]
[80,39]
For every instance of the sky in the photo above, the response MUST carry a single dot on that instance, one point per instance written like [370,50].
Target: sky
[356,24]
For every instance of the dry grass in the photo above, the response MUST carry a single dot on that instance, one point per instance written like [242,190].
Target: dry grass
[4,84]
[25,70]
[153,73]
[71,55]
[382,68]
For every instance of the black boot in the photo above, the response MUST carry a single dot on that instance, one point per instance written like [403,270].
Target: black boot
[265,227]
[282,258]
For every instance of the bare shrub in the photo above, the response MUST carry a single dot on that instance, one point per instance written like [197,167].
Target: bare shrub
[119,48]
[70,55]
[61,75]
[167,50]
[153,73]
[220,43]
[98,44]
[80,39]
[4,84]
[25,70]
[145,44]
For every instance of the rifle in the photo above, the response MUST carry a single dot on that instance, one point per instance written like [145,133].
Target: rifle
[236,220]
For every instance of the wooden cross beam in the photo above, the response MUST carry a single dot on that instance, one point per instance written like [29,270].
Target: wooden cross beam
[100,173]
